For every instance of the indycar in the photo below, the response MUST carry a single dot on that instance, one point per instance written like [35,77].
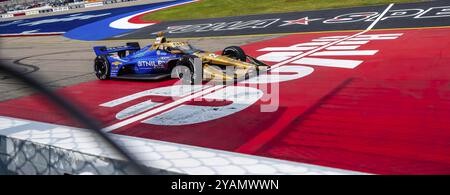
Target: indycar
[166,59]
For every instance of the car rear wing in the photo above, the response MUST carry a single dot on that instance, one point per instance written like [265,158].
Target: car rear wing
[103,50]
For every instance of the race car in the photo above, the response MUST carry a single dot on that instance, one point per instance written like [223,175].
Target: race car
[165,59]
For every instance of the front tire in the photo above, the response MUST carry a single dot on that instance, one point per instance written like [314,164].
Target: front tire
[184,70]
[102,68]
[235,52]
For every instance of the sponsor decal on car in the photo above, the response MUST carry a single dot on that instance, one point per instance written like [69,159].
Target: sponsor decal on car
[116,63]
[151,64]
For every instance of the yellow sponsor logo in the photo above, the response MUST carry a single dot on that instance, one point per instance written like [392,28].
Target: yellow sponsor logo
[117,63]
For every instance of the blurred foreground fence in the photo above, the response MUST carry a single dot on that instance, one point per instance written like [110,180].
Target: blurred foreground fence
[26,157]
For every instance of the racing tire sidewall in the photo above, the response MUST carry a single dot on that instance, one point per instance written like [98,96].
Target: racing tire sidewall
[235,52]
[186,67]
[101,62]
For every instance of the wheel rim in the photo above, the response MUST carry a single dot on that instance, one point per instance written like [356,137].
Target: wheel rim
[180,71]
[184,74]
[101,69]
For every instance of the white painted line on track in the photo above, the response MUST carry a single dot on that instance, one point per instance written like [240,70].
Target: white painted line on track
[352,43]
[344,47]
[161,108]
[329,62]
[346,53]
[334,42]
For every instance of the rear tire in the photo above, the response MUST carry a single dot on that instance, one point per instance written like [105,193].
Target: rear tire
[235,52]
[102,68]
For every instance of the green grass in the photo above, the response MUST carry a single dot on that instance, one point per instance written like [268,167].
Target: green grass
[222,8]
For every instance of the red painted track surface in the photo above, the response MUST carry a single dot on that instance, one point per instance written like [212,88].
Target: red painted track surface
[389,115]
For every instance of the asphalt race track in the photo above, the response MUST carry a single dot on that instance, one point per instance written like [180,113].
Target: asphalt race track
[426,14]
[370,96]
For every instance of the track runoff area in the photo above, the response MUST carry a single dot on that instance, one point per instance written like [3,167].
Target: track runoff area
[343,102]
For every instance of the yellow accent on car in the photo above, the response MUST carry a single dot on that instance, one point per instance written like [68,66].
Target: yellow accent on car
[116,63]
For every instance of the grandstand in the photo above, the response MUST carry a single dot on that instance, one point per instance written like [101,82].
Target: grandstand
[11,8]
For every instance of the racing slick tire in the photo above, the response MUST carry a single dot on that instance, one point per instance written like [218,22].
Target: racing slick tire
[235,52]
[184,70]
[102,68]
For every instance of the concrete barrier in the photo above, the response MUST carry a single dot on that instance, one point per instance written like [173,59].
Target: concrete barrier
[96,4]
[7,15]
[33,12]
[45,11]
[76,6]
[60,9]
[19,14]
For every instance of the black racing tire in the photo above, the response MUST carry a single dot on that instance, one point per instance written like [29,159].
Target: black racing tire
[102,68]
[235,52]
[184,70]
[134,44]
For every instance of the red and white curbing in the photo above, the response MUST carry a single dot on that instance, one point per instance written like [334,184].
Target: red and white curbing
[134,21]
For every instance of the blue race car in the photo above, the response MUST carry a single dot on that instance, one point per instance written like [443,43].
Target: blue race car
[165,59]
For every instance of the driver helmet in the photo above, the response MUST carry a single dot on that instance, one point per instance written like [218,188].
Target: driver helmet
[160,38]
